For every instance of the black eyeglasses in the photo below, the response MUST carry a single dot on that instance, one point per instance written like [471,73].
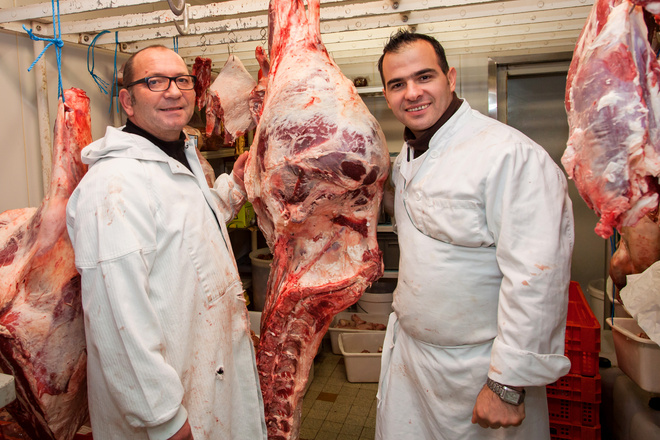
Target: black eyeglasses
[162,83]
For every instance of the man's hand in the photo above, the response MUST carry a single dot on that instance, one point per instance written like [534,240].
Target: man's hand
[185,433]
[239,167]
[491,412]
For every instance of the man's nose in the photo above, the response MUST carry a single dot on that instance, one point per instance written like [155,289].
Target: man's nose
[173,89]
[413,91]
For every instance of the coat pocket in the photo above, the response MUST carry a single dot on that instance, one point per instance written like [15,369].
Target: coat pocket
[457,222]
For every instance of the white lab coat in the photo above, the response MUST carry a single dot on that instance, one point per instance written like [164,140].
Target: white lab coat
[165,319]
[486,236]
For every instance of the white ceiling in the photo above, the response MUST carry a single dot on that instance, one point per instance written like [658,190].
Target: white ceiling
[354,31]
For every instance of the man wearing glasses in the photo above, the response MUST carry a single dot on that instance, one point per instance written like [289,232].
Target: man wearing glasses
[169,349]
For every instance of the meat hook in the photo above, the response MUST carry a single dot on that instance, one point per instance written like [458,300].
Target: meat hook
[185,29]
[178,10]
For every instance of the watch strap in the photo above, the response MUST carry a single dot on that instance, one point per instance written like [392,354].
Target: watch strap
[505,393]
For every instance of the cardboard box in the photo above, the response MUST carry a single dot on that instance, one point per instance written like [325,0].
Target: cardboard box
[637,357]
[362,367]
[334,331]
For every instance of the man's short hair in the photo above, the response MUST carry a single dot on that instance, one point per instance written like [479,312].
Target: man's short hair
[404,37]
[128,75]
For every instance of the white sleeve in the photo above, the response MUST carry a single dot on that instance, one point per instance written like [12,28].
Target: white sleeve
[530,216]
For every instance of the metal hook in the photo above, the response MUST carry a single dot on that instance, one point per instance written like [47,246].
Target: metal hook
[185,29]
[264,33]
[178,10]
[232,41]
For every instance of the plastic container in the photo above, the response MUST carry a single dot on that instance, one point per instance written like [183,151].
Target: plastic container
[573,412]
[597,300]
[576,387]
[637,357]
[582,344]
[378,297]
[561,431]
[362,367]
[335,332]
[260,273]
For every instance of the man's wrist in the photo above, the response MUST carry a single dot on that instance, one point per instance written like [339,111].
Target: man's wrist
[508,394]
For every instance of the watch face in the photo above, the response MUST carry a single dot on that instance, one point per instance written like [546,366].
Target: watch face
[511,396]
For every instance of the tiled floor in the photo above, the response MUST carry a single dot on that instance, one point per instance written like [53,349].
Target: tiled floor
[335,409]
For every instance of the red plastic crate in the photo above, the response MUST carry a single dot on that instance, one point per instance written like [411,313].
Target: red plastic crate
[573,412]
[576,388]
[582,344]
[560,431]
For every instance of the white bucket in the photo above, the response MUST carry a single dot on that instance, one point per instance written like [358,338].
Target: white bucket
[260,272]
[597,299]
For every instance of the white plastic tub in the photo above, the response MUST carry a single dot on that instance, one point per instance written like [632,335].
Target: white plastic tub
[637,357]
[362,367]
[335,331]
[260,273]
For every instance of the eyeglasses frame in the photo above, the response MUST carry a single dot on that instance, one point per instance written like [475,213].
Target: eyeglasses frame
[146,79]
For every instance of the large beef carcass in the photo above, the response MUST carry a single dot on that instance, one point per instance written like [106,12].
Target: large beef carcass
[228,101]
[314,176]
[613,106]
[42,337]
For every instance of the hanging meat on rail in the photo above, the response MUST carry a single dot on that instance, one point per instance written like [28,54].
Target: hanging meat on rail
[613,106]
[228,101]
[202,70]
[42,337]
[314,176]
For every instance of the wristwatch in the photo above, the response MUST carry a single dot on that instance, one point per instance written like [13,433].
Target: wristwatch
[507,394]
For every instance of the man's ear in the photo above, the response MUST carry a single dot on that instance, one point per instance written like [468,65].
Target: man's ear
[126,101]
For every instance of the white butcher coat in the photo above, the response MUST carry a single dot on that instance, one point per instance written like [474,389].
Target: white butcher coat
[165,319]
[486,235]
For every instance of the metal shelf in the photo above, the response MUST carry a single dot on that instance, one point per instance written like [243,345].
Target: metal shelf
[219,154]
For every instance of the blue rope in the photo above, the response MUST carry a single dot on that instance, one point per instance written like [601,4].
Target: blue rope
[97,79]
[614,241]
[57,41]
[115,86]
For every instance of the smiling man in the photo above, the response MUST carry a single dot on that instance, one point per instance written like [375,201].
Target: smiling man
[169,350]
[485,231]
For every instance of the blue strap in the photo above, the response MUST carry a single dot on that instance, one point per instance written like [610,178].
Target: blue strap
[175,42]
[57,41]
[97,79]
[115,86]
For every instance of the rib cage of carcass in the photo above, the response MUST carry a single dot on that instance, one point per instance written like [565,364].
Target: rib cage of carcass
[613,107]
[314,176]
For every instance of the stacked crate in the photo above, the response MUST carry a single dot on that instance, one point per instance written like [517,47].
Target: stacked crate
[574,400]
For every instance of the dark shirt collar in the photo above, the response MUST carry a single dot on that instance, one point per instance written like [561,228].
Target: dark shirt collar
[174,149]
[421,143]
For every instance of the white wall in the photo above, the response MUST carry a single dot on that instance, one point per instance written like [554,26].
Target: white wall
[20,152]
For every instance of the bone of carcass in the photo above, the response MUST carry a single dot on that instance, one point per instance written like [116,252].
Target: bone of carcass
[314,176]
[42,337]
[229,101]
[202,70]
[613,106]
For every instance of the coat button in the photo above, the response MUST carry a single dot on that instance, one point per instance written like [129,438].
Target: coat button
[418,196]
[434,154]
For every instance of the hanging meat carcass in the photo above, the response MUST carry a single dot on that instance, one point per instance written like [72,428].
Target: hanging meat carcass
[613,106]
[202,70]
[42,337]
[227,101]
[314,176]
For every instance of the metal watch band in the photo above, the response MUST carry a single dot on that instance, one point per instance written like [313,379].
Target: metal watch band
[507,394]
